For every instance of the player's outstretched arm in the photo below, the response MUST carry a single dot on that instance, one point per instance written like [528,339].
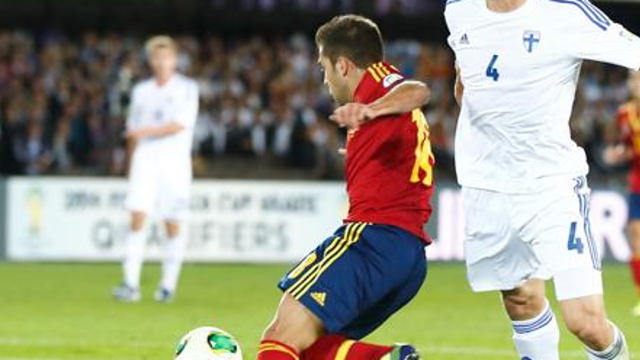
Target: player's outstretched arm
[403,98]
[155,131]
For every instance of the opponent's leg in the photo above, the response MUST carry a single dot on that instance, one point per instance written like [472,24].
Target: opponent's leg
[585,317]
[133,259]
[536,335]
[633,230]
[173,258]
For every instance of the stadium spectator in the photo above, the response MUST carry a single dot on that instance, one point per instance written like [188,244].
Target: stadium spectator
[63,101]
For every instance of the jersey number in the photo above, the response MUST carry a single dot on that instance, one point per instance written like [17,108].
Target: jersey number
[492,71]
[424,156]
[574,242]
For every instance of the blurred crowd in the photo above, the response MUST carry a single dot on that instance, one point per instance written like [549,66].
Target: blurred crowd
[63,102]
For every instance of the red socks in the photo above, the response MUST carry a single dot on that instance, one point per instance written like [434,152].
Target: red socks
[335,347]
[328,347]
[635,270]
[273,350]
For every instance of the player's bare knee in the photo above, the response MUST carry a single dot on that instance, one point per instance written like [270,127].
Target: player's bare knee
[297,337]
[172,228]
[271,332]
[137,221]
[593,331]
[294,325]
[523,304]
[589,325]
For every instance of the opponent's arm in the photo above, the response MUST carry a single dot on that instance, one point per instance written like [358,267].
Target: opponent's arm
[403,98]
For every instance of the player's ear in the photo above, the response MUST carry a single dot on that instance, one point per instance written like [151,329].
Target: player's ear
[342,66]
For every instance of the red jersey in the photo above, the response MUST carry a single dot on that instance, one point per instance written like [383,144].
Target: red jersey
[629,124]
[389,164]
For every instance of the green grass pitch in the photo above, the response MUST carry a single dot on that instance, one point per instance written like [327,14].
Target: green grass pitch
[65,312]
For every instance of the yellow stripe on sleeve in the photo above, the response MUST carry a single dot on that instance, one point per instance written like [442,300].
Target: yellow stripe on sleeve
[381,70]
[373,73]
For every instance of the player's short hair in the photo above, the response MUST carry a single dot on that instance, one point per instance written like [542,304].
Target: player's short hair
[160,42]
[352,36]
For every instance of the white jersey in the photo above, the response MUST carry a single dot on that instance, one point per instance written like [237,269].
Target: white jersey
[520,71]
[154,105]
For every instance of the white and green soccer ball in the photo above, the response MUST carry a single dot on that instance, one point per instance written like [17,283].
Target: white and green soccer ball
[208,343]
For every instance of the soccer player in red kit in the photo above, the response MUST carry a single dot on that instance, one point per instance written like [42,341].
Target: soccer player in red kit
[628,150]
[375,263]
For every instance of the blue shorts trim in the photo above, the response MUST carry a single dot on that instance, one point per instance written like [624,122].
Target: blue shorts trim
[634,206]
[357,278]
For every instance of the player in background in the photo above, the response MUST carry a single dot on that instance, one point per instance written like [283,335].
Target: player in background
[628,151]
[524,187]
[159,133]
[375,263]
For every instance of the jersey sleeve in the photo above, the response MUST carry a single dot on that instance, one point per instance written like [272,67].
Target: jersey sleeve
[594,36]
[186,109]
[134,109]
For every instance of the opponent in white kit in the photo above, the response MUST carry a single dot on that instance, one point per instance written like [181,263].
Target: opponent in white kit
[525,193]
[160,130]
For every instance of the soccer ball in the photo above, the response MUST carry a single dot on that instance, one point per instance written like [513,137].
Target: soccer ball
[208,343]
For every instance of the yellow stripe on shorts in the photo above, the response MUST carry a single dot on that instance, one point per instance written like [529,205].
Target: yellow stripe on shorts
[313,269]
[351,239]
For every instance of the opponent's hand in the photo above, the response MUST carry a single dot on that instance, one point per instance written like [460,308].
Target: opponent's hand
[352,115]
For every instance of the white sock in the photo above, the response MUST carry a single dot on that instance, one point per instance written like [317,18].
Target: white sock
[133,258]
[617,351]
[538,338]
[172,263]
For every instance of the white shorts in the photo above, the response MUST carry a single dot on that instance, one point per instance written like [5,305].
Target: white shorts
[159,191]
[511,238]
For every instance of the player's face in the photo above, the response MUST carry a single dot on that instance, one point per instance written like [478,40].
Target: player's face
[634,84]
[335,80]
[164,62]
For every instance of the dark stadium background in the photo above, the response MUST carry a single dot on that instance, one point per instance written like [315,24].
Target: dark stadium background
[209,30]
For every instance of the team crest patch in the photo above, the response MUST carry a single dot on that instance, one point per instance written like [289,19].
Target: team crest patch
[531,39]
[391,79]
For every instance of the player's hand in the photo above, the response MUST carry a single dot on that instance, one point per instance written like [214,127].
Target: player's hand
[352,115]
[614,155]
